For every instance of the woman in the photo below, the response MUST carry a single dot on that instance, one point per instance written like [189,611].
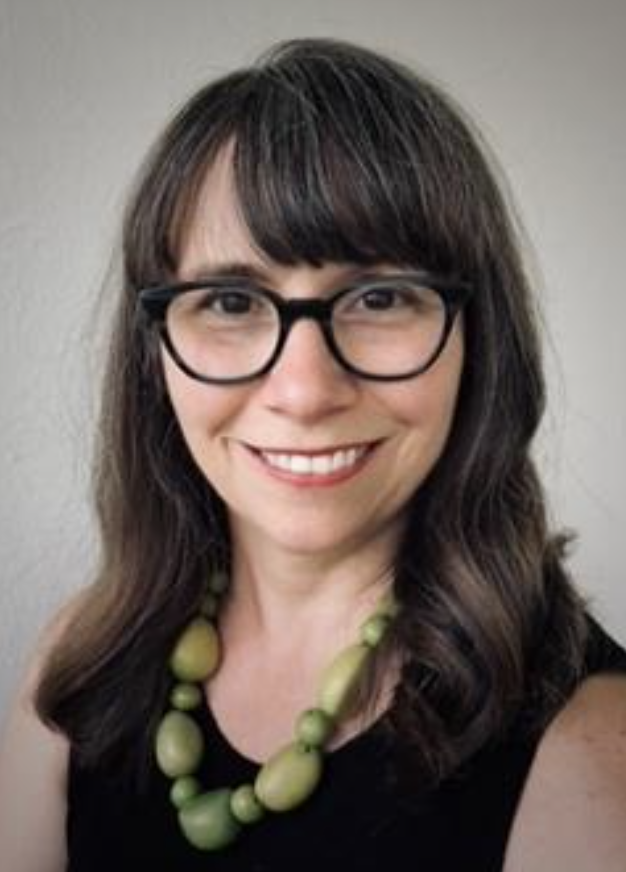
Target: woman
[330,626]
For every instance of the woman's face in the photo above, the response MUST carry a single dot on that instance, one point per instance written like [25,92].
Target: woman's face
[306,407]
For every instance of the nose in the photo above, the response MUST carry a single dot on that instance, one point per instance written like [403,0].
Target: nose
[306,382]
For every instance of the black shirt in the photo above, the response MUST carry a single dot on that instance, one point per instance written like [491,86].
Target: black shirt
[354,821]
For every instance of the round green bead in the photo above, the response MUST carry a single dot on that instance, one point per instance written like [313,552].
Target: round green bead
[185,696]
[208,822]
[314,727]
[374,629]
[245,805]
[184,789]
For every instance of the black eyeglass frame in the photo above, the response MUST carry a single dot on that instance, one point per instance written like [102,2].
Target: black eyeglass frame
[154,301]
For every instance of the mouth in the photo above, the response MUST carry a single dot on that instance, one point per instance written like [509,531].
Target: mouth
[322,466]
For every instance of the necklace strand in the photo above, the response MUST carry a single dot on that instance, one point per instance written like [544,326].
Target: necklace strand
[213,819]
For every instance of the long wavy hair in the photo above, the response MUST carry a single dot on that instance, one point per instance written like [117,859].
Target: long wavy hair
[339,154]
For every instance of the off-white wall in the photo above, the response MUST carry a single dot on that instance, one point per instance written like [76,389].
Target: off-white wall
[84,87]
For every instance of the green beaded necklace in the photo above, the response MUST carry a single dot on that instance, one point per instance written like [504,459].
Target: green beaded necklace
[212,819]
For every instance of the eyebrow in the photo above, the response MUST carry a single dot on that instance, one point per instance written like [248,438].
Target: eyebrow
[227,269]
[260,274]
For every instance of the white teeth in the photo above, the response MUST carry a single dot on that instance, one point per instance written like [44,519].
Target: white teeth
[319,464]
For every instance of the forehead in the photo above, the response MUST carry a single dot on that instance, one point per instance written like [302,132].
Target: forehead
[215,230]
[216,236]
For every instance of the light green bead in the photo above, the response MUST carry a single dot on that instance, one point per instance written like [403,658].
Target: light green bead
[374,629]
[314,727]
[179,745]
[184,789]
[245,805]
[289,777]
[186,697]
[208,822]
[342,678]
[196,653]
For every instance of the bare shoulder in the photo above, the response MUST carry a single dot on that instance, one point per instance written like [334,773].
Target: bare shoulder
[48,637]
[33,770]
[572,815]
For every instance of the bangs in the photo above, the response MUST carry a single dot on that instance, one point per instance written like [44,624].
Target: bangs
[331,166]
[338,155]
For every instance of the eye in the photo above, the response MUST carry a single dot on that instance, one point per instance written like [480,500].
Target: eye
[396,301]
[385,299]
[224,305]
[380,299]
[228,302]
[223,308]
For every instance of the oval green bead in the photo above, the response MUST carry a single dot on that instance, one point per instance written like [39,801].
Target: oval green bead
[208,822]
[289,777]
[179,745]
[314,727]
[341,679]
[374,629]
[245,805]
[186,697]
[184,789]
[196,653]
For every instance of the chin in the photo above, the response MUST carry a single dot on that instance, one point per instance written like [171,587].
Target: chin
[308,543]
[297,537]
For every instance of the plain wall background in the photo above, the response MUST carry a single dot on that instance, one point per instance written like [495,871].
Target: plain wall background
[84,88]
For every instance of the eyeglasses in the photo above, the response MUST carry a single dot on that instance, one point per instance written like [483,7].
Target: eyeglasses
[228,330]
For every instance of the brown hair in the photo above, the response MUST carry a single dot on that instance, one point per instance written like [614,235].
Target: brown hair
[339,154]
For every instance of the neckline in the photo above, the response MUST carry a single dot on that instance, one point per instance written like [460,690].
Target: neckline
[352,745]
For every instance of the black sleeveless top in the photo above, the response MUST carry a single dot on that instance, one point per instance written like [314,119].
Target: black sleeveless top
[354,821]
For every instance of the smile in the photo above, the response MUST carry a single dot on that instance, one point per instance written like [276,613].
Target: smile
[316,467]
[318,464]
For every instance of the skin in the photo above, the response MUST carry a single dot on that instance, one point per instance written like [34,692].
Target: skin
[572,814]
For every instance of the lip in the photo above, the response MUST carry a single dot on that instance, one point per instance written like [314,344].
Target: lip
[313,480]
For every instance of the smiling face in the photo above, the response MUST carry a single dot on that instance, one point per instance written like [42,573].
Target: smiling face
[308,459]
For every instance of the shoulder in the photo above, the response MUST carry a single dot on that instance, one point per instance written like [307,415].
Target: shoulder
[22,711]
[51,633]
[33,768]
[572,814]
[48,637]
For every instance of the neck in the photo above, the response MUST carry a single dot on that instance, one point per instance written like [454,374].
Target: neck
[276,597]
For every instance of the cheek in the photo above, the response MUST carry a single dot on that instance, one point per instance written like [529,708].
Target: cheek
[425,420]
[424,409]
[202,410]
[181,392]
[429,402]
